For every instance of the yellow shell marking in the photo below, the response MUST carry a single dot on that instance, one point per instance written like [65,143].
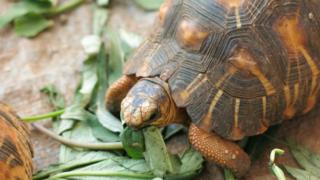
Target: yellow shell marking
[293,36]
[231,3]
[197,82]
[264,107]
[206,123]
[291,101]
[244,61]
[236,131]
[229,73]
[238,18]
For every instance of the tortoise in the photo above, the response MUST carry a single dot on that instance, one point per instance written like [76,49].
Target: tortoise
[228,69]
[15,146]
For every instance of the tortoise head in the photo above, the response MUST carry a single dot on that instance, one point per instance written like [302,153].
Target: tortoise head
[148,103]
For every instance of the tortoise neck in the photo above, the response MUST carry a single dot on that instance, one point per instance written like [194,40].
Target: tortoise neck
[181,117]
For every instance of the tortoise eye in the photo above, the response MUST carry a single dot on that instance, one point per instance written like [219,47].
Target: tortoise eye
[153,117]
[191,35]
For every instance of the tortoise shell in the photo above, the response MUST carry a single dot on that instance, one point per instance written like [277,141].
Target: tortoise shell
[238,65]
[15,146]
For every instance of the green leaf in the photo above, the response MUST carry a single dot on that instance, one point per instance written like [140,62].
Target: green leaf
[55,97]
[274,153]
[103,2]
[306,159]
[76,111]
[117,56]
[191,161]
[278,172]
[105,117]
[65,7]
[99,20]
[133,142]
[72,113]
[191,165]
[156,154]
[14,12]
[171,130]
[300,174]
[44,3]
[20,9]
[149,4]
[228,175]
[89,80]
[113,168]
[130,39]
[84,160]
[31,24]
[101,132]
[81,131]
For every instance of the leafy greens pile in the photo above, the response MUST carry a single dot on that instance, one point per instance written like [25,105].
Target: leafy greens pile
[115,152]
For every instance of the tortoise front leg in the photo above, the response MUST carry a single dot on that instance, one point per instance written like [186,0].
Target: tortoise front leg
[118,91]
[223,152]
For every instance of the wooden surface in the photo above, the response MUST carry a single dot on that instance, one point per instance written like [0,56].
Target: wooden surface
[55,57]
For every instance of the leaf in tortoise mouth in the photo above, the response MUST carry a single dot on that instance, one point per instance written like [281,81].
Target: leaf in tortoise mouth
[133,142]
[156,154]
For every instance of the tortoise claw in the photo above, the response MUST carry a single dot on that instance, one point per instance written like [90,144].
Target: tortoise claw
[223,152]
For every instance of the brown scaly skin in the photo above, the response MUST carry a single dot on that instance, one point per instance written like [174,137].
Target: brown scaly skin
[223,152]
[15,147]
[118,91]
[149,103]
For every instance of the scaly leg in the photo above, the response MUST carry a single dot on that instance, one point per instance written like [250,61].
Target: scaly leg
[118,91]
[223,152]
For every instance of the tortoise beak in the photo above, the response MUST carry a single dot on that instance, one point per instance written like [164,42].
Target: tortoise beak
[132,117]
[138,112]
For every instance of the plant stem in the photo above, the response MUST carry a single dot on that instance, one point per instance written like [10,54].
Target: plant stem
[71,4]
[43,116]
[99,173]
[68,142]
[64,167]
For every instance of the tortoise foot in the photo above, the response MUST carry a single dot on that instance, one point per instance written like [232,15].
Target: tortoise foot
[117,92]
[223,152]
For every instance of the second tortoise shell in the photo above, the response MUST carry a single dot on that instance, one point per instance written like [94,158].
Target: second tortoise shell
[237,65]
